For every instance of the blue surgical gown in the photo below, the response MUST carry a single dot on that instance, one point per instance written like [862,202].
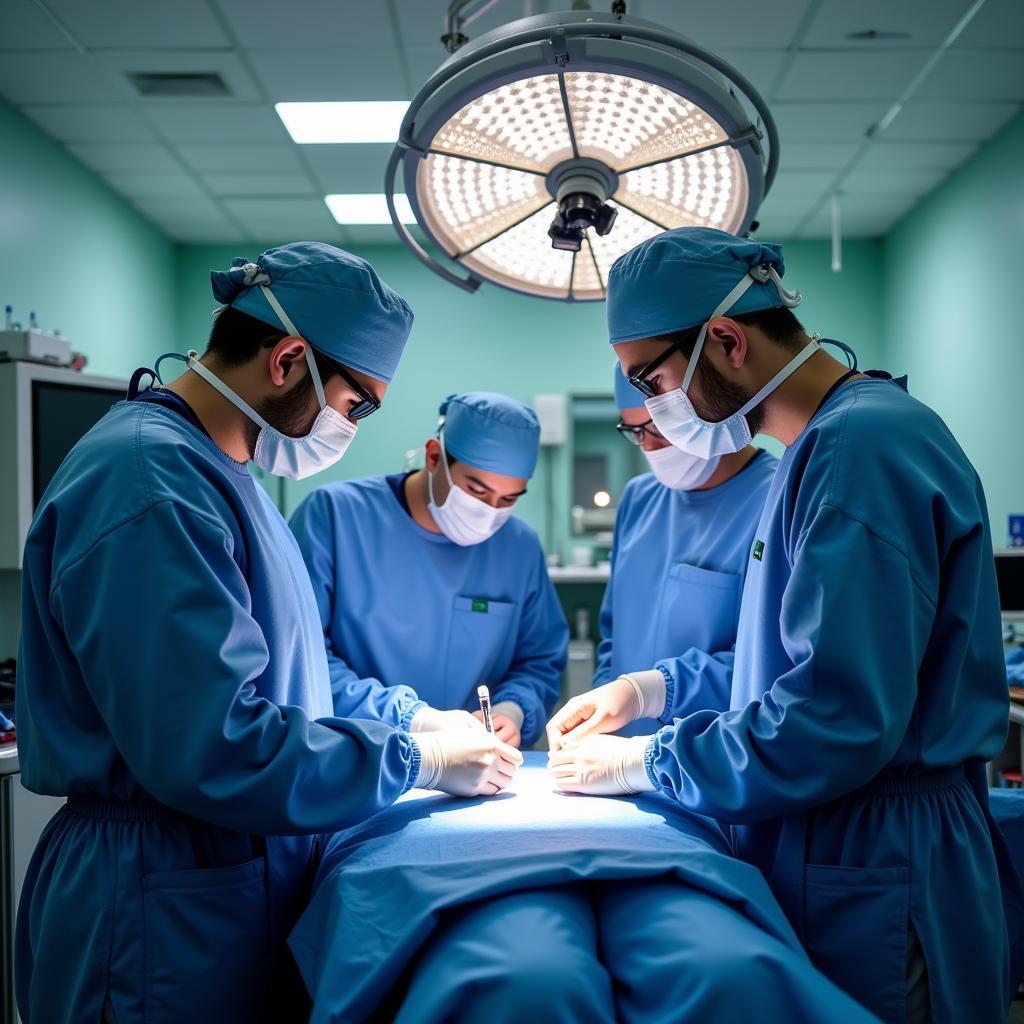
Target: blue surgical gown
[172,683]
[869,688]
[409,617]
[678,563]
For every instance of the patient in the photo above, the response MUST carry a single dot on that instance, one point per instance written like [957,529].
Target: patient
[541,907]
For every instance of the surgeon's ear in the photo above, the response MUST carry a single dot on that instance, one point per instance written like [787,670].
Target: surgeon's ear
[728,336]
[283,358]
[433,454]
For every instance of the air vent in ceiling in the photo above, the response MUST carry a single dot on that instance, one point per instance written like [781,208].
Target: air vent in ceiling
[870,35]
[171,83]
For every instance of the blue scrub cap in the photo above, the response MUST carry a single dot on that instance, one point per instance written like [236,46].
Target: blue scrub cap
[491,432]
[626,396]
[335,299]
[675,280]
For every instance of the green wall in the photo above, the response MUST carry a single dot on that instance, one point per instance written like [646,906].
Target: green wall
[90,265]
[497,340]
[952,271]
[87,263]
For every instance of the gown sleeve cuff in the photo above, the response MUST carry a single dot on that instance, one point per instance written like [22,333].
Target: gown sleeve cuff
[668,713]
[414,765]
[410,714]
[649,754]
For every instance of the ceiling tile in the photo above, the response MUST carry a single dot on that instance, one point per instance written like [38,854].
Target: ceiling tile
[834,19]
[851,75]
[371,234]
[726,23]
[944,120]
[355,168]
[860,216]
[976,75]
[825,122]
[240,157]
[760,66]
[227,65]
[255,183]
[323,24]
[90,122]
[999,23]
[150,185]
[805,156]
[884,155]
[121,23]
[57,78]
[26,27]
[903,182]
[198,232]
[321,74]
[802,183]
[125,157]
[220,122]
[284,218]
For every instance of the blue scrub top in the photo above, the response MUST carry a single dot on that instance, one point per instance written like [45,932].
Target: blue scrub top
[678,563]
[410,617]
[172,681]
[869,688]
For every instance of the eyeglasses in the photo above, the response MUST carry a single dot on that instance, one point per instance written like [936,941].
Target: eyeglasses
[639,379]
[635,434]
[369,404]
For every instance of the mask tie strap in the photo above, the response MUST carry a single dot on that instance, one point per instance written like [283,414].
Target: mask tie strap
[788,370]
[291,329]
[724,306]
[218,385]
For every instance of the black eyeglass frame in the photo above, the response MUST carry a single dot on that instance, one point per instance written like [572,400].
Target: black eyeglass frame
[369,404]
[639,379]
[635,434]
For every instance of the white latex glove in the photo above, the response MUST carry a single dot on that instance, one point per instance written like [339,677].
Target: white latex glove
[507,717]
[466,762]
[602,766]
[429,719]
[608,707]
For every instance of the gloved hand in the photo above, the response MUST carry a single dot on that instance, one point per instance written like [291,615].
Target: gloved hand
[507,718]
[608,707]
[602,766]
[466,762]
[429,719]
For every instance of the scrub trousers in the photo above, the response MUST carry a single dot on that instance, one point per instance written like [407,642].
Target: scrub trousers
[638,952]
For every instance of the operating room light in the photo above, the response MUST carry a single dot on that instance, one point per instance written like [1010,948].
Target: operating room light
[539,153]
[367,208]
[602,499]
[370,121]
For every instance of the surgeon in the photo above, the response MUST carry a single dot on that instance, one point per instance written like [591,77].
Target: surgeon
[869,686]
[172,682]
[428,585]
[683,532]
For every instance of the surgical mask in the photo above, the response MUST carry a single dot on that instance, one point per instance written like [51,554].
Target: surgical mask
[463,519]
[280,454]
[673,412]
[679,470]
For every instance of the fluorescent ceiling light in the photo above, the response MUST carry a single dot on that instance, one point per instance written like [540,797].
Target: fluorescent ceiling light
[367,208]
[374,121]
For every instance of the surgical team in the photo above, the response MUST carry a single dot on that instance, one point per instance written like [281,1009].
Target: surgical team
[805,649]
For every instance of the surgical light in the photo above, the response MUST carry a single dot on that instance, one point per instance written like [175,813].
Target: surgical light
[542,151]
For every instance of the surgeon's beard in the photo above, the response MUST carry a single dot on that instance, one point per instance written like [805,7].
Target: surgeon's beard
[720,398]
[291,413]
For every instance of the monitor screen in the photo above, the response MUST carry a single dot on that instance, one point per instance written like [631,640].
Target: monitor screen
[61,415]
[1010,574]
